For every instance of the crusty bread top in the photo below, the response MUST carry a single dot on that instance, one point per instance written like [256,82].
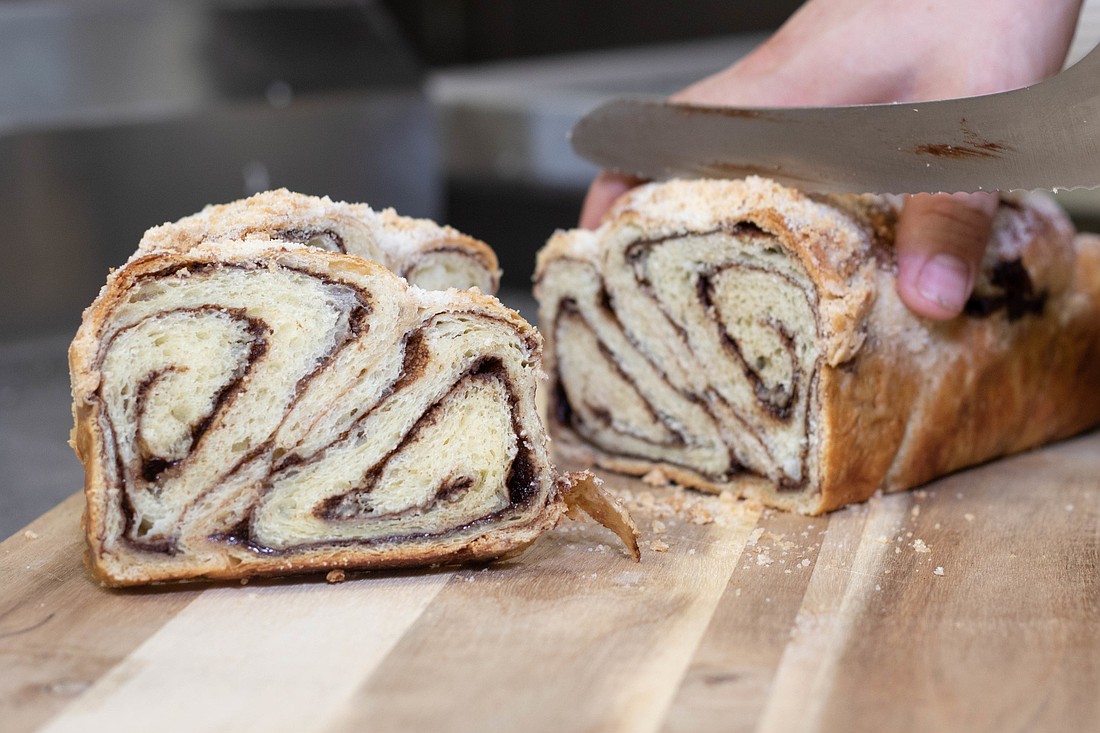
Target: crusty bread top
[397,239]
[832,239]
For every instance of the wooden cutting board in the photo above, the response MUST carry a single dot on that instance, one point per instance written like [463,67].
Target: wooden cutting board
[972,605]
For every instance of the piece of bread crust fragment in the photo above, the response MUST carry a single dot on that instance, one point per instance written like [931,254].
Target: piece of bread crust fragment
[743,336]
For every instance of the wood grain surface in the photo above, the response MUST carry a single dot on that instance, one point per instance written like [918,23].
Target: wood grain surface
[970,605]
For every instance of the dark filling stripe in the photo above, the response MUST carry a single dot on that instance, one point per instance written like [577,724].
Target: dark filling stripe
[411,267]
[1017,297]
[567,415]
[776,402]
[779,409]
[521,481]
[150,469]
[327,239]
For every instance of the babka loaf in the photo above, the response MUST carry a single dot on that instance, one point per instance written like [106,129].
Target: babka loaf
[431,256]
[743,336]
[249,408]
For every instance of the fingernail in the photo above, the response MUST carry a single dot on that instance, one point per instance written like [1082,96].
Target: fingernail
[945,279]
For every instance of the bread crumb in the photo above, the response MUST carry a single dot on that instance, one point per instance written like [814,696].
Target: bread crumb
[764,558]
[699,514]
[919,546]
[30,534]
[968,517]
[1069,507]
[671,501]
[691,551]
[915,511]
[659,527]
[244,581]
[938,570]
[755,536]
[656,477]
[658,546]
[335,576]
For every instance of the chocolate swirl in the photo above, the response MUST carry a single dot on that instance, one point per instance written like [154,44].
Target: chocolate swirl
[663,354]
[254,406]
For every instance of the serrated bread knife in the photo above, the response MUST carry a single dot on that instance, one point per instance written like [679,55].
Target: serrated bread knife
[1043,136]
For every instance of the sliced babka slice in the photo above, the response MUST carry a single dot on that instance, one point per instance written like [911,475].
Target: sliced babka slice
[245,408]
[431,256]
[743,336]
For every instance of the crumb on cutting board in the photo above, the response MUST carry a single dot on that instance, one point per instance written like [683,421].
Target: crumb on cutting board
[658,546]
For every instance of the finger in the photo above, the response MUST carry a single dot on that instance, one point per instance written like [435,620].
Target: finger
[602,193]
[940,242]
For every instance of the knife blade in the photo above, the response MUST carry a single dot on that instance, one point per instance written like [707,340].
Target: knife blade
[1046,136]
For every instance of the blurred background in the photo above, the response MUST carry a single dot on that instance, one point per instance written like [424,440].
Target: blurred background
[117,115]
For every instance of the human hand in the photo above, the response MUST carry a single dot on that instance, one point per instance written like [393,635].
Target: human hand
[835,52]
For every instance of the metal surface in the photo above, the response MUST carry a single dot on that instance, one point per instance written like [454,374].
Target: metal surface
[510,121]
[118,116]
[1043,136]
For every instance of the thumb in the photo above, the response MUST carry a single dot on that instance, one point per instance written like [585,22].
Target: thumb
[940,242]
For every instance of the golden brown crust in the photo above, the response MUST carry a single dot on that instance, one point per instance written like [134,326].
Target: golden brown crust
[896,400]
[409,247]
